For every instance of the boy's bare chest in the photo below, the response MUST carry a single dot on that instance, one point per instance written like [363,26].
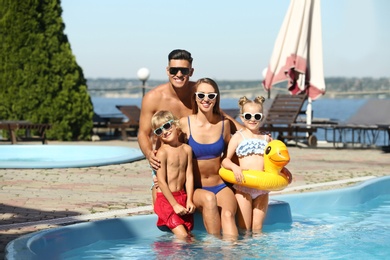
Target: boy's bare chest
[177,156]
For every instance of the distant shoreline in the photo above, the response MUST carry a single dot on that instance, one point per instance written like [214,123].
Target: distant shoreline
[336,87]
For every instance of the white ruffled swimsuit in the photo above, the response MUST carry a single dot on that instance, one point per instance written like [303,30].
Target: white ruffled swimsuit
[250,146]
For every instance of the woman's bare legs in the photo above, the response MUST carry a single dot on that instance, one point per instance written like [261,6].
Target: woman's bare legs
[228,205]
[206,202]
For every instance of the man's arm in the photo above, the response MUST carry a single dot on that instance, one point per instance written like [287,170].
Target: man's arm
[144,132]
[234,124]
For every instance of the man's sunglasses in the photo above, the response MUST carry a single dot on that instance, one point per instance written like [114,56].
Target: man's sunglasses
[210,96]
[166,126]
[257,116]
[174,71]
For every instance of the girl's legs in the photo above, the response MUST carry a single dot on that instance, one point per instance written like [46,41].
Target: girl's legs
[260,207]
[206,202]
[244,202]
[228,204]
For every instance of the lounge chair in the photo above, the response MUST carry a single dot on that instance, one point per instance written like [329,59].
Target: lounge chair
[13,126]
[365,126]
[132,114]
[281,118]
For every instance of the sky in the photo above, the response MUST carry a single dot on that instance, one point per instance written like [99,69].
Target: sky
[228,39]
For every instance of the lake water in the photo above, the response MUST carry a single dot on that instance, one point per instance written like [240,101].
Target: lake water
[338,109]
[334,109]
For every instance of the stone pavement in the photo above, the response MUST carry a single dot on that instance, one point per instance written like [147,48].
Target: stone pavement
[36,199]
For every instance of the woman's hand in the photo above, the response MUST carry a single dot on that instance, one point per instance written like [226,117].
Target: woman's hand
[287,173]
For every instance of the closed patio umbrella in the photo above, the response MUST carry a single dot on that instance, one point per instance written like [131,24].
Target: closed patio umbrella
[297,55]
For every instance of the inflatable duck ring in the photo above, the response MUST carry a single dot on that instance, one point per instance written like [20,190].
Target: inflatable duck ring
[276,156]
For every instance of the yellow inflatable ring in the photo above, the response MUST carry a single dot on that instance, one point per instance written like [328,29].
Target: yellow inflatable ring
[276,156]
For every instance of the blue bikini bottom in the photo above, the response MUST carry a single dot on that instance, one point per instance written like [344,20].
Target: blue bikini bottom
[215,189]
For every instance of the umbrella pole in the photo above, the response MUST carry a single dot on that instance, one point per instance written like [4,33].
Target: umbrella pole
[309,113]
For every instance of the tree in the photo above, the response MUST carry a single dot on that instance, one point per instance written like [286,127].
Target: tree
[40,80]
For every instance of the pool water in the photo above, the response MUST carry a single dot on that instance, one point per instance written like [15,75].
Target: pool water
[358,232]
[350,223]
[65,156]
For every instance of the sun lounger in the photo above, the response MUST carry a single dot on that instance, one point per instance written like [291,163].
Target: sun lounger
[281,118]
[366,125]
[132,114]
[121,124]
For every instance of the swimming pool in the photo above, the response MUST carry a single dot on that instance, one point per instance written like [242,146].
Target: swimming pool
[351,223]
[65,156]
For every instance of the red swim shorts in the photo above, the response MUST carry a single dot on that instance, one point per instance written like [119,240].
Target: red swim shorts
[166,214]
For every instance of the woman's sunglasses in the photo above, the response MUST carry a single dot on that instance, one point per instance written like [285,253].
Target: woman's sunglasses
[166,126]
[174,71]
[210,96]
[256,116]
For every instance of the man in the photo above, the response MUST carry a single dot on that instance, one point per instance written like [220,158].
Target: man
[174,96]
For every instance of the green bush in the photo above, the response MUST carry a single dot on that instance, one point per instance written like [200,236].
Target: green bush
[40,80]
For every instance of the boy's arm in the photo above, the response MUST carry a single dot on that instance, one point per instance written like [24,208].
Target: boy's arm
[190,182]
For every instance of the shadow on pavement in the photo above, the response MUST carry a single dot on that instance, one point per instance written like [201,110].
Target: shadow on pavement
[14,222]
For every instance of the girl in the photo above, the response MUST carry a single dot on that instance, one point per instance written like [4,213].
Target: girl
[249,144]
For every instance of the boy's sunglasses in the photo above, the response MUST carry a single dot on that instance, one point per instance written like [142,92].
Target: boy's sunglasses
[210,96]
[174,71]
[166,126]
[257,116]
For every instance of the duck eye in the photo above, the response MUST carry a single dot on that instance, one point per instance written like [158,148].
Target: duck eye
[268,150]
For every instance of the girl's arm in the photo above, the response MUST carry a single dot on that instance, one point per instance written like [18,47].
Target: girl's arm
[227,161]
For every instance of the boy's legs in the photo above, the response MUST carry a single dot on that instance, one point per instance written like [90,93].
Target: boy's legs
[180,231]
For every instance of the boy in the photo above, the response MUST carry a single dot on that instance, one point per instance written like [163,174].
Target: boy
[174,206]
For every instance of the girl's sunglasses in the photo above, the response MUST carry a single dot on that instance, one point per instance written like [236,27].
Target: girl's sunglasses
[210,96]
[257,116]
[174,71]
[166,126]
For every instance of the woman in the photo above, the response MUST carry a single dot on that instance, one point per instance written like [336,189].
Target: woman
[208,133]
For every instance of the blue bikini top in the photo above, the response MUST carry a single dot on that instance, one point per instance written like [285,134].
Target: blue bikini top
[206,151]
[250,146]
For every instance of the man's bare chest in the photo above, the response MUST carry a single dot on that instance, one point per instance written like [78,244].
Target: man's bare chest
[179,110]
